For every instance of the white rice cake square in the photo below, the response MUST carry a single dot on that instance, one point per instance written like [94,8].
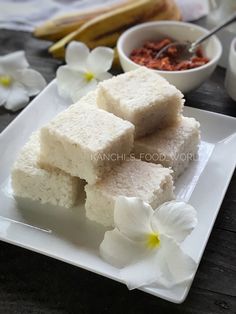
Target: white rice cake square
[86,142]
[142,97]
[174,146]
[133,178]
[45,185]
[89,100]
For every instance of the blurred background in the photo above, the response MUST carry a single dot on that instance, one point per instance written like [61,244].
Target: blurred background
[54,19]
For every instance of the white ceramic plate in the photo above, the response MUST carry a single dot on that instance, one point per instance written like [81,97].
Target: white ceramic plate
[68,236]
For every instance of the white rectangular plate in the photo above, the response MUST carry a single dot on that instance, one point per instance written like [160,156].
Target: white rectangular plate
[68,236]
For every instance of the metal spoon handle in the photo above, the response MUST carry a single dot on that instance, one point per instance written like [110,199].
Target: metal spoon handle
[230,20]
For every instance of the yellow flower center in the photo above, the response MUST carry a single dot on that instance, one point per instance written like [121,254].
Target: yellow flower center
[88,76]
[5,80]
[153,240]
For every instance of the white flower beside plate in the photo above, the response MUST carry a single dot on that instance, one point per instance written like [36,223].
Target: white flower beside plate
[83,70]
[81,74]
[17,81]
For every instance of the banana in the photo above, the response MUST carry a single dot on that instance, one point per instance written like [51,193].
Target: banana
[107,27]
[58,28]
[170,13]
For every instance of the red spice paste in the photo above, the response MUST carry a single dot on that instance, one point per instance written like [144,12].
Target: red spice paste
[169,60]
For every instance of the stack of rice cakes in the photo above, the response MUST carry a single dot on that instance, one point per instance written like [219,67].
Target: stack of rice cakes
[126,138]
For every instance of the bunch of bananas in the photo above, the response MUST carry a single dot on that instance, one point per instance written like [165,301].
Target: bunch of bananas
[103,26]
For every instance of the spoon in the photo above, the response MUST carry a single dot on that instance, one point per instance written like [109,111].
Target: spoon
[186,49]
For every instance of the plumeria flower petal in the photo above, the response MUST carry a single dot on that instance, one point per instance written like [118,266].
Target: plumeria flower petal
[145,272]
[17,81]
[83,70]
[4,92]
[69,80]
[17,98]
[167,267]
[13,61]
[31,79]
[145,243]
[175,219]
[104,76]
[76,55]
[100,60]
[181,266]
[118,250]
[133,218]
[84,90]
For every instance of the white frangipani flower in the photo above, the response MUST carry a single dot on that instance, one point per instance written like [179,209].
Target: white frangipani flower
[17,81]
[145,243]
[83,69]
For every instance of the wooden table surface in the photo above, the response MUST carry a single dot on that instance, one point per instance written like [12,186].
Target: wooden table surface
[32,283]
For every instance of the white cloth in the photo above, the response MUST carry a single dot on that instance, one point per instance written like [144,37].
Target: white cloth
[192,10]
[27,14]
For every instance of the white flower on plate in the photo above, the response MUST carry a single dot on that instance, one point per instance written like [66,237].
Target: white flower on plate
[145,243]
[83,69]
[17,81]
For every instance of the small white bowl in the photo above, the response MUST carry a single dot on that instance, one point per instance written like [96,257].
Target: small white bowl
[185,80]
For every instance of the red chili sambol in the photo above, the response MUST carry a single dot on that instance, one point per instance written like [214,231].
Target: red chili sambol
[169,60]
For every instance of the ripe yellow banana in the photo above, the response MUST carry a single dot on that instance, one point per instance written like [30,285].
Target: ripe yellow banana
[171,12]
[106,28]
[59,27]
